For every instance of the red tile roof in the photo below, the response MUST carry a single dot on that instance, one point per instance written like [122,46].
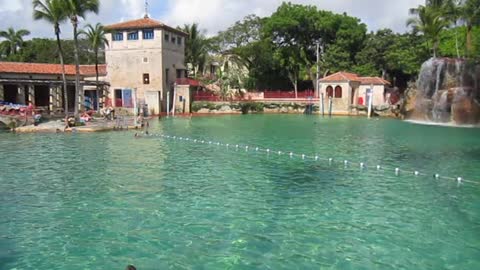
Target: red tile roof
[346,76]
[340,77]
[89,70]
[49,69]
[142,24]
[373,80]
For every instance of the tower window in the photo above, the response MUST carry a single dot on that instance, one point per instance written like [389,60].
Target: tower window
[132,35]
[117,36]
[148,34]
[146,78]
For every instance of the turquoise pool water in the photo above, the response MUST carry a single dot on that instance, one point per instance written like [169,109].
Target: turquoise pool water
[102,201]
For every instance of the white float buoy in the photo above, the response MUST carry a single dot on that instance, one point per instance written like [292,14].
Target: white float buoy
[316,157]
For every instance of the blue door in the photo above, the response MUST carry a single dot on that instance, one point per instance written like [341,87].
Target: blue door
[127,98]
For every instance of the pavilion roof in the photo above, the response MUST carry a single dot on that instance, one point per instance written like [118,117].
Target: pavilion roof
[143,24]
[347,76]
[49,69]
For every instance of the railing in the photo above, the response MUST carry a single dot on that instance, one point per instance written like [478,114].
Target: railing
[187,81]
[288,94]
[206,96]
[264,95]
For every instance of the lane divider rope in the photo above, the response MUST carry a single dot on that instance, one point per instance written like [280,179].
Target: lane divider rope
[347,163]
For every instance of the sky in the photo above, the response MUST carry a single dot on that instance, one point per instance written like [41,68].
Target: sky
[211,15]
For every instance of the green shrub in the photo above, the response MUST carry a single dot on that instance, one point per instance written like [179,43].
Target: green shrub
[247,107]
[197,106]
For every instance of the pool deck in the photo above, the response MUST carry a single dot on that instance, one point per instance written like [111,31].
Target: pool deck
[97,125]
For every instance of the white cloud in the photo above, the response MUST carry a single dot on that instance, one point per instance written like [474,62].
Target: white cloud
[213,15]
[9,5]
[216,15]
[18,14]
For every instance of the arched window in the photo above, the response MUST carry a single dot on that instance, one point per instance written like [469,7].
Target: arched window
[329,91]
[338,91]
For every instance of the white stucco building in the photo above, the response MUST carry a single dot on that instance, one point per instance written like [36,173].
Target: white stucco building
[144,58]
[349,90]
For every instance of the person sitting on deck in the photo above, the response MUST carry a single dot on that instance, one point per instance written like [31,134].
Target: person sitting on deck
[108,113]
[69,122]
[85,117]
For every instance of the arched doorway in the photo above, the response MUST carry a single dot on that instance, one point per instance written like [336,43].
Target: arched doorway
[329,91]
[338,91]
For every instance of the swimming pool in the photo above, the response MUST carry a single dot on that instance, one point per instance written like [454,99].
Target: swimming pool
[105,200]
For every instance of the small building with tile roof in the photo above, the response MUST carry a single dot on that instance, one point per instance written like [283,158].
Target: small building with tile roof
[42,85]
[349,90]
[144,58]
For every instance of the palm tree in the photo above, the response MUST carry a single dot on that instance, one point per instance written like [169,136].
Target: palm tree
[430,21]
[96,36]
[78,9]
[53,11]
[13,40]
[470,14]
[196,47]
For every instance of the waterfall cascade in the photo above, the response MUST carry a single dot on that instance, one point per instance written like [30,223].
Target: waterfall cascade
[448,92]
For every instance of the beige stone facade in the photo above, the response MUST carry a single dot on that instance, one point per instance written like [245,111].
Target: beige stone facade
[145,57]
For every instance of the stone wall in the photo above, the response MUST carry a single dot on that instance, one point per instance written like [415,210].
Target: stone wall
[205,107]
[250,107]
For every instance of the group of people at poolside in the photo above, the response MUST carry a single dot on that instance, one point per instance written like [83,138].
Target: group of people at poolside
[87,116]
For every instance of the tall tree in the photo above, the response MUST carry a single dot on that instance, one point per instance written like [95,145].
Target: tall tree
[429,20]
[291,62]
[470,14]
[78,9]
[13,40]
[196,47]
[298,27]
[53,11]
[97,39]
